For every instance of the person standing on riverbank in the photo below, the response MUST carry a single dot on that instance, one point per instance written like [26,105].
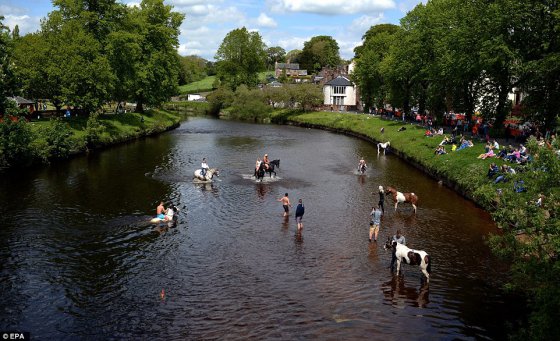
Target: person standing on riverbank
[286,204]
[374,224]
[300,210]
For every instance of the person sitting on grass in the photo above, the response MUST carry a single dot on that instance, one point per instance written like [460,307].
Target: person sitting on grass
[513,156]
[446,140]
[429,133]
[440,131]
[440,150]
[492,170]
[489,152]
[465,144]
[505,171]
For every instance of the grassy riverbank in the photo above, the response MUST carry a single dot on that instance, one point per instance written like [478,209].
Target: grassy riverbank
[460,170]
[25,143]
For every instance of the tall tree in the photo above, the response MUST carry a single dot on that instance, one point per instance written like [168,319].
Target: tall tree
[240,57]
[193,68]
[293,56]
[274,54]
[8,83]
[319,52]
[367,73]
[158,66]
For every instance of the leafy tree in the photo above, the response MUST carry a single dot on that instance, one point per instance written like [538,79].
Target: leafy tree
[274,54]
[294,56]
[319,52]
[57,140]
[369,56]
[308,95]
[8,81]
[15,139]
[193,68]
[249,104]
[240,57]
[219,99]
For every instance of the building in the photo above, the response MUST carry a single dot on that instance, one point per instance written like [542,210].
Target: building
[340,94]
[290,69]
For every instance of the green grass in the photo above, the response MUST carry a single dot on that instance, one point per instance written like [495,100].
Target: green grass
[206,84]
[119,128]
[202,85]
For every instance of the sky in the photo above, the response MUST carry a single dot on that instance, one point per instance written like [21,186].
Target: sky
[284,23]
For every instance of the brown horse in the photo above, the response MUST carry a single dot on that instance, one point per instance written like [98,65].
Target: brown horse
[399,197]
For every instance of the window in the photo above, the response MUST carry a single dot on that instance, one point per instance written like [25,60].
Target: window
[338,100]
[341,90]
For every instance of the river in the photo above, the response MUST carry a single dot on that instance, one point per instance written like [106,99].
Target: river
[79,259]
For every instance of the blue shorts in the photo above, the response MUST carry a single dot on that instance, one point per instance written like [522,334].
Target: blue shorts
[160,216]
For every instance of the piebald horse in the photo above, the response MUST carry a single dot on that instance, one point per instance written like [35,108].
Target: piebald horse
[383,146]
[410,256]
[208,176]
[399,197]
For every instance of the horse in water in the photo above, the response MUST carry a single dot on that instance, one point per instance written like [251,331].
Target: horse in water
[259,173]
[206,177]
[384,146]
[399,197]
[410,256]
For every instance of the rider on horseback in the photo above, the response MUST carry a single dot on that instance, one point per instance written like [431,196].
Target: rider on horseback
[204,167]
[266,161]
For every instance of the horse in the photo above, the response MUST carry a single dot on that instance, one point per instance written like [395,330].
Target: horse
[383,146]
[410,256]
[399,197]
[208,176]
[259,173]
[271,166]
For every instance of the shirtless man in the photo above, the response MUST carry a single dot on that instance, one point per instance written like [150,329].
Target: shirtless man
[266,161]
[159,211]
[286,204]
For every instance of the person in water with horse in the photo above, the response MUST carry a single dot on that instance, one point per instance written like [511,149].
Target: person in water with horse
[375,223]
[286,204]
[362,165]
[159,211]
[203,167]
[400,240]
[381,202]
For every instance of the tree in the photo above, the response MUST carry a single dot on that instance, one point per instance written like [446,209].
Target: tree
[319,52]
[274,54]
[369,56]
[193,68]
[8,81]
[293,56]
[240,57]
[158,66]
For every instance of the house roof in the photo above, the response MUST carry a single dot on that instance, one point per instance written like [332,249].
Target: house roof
[340,81]
[291,66]
[20,100]
[275,84]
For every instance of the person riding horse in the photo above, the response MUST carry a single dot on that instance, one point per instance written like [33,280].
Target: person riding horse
[266,162]
[203,167]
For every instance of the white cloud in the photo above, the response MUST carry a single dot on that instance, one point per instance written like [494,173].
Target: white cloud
[133,4]
[265,21]
[26,23]
[292,43]
[363,23]
[331,7]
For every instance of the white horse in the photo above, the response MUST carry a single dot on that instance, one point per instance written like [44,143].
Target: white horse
[410,256]
[383,146]
[208,176]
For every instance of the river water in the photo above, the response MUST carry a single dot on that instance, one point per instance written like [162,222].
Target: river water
[79,259]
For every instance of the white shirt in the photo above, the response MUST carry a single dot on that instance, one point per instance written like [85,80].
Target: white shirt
[169,214]
[204,165]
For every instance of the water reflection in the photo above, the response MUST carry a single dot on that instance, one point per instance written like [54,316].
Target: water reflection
[398,294]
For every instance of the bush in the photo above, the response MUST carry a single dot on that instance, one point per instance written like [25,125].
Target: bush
[94,130]
[15,143]
[249,105]
[55,140]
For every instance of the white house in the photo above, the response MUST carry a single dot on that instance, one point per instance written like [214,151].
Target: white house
[195,97]
[340,94]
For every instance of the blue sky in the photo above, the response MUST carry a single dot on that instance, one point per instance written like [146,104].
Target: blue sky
[285,23]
